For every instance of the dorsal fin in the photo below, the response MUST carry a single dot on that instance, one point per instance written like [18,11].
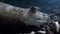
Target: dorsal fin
[32,10]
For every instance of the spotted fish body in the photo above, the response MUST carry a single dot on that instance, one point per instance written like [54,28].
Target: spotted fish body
[22,14]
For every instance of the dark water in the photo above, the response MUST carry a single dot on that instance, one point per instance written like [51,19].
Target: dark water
[47,6]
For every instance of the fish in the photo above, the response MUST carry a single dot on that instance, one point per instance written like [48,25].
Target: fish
[29,16]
